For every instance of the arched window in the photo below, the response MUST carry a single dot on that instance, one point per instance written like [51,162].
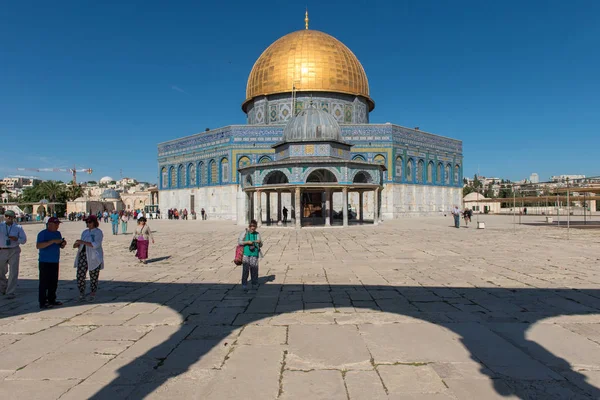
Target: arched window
[244,162]
[321,176]
[201,174]
[191,173]
[264,159]
[379,159]
[213,173]
[180,176]
[438,173]
[420,170]
[275,178]
[447,176]
[430,172]
[409,170]
[164,176]
[358,157]
[362,177]
[173,180]
[399,162]
[224,170]
[456,173]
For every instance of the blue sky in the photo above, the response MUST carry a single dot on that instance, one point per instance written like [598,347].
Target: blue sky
[99,84]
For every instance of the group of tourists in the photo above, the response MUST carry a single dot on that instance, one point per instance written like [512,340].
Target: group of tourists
[173,213]
[89,259]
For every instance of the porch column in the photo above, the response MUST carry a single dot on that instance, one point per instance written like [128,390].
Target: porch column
[249,209]
[297,209]
[279,206]
[330,210]
[360,205]
[376,206]
[268,207]
[259,204]
[327,207]
[293,210]
[345,205]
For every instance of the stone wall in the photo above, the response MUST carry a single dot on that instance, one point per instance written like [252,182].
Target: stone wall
[397,201]
[218,201]
[402,200]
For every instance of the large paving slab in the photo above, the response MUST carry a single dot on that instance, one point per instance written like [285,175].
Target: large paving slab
[410,309]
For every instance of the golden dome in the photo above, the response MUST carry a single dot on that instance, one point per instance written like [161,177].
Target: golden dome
[312,61]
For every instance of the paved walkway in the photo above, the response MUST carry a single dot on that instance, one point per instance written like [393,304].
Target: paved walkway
[411,309]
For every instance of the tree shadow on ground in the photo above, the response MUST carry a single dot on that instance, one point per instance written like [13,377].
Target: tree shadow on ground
[503,315]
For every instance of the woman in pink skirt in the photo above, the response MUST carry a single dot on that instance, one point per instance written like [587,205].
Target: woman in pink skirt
[143,235]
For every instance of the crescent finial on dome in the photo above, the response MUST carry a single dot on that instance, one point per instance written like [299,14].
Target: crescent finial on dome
[306,18]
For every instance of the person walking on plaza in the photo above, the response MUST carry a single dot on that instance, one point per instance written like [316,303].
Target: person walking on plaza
[456,215]
[143,233]
[49,243]
[203,214]
[124,220]
[114,221]
[467,214]
[90,257]
[285,213]
[252,243]
[12,236]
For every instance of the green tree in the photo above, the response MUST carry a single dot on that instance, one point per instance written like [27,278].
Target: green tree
[74,192]
[467,190]
[52,190]
[32,194]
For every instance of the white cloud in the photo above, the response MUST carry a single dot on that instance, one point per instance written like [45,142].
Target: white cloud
[178,89]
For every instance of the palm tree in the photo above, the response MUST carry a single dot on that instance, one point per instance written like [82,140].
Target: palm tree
[51,190]
[74,192]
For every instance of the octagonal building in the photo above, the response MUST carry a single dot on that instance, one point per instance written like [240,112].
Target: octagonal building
[308,150]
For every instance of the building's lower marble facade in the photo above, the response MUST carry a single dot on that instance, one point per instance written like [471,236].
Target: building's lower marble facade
[219,202]
[228,202]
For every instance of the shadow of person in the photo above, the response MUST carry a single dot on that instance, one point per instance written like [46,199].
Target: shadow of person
[496,340]
[157,259]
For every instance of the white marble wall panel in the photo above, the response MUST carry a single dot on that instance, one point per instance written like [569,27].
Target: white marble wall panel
[401,200]
[220,202]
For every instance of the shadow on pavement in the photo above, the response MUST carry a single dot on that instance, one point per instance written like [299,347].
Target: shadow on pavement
[481,333]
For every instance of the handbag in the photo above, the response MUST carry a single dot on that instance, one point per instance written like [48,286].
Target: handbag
[239,252]
[133,245]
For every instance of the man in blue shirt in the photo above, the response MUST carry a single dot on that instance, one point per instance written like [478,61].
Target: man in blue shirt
[114,220]
[49,243]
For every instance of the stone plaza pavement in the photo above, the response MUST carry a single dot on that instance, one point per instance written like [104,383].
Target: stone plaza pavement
[410,309]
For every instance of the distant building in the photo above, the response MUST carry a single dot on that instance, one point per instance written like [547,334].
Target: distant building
[14,182]
[476,202]
[126,181]
[563,178]
[534,178]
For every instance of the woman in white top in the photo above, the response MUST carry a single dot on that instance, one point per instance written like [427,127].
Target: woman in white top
[124,220]
[90,257]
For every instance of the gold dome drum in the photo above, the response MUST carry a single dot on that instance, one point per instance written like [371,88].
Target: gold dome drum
[307,61]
